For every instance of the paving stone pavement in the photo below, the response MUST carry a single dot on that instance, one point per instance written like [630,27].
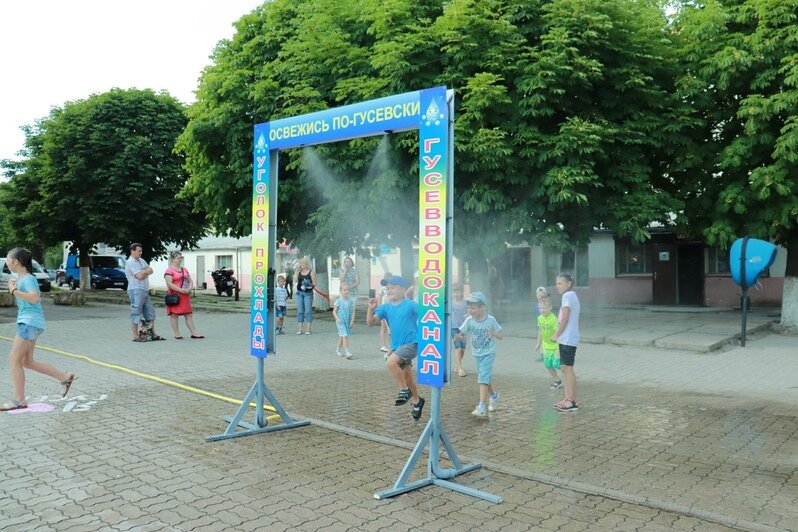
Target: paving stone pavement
[664,440]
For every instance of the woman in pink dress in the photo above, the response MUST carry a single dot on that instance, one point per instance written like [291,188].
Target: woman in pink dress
[178,281]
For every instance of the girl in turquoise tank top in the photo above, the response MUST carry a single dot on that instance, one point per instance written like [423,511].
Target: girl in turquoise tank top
[30,324]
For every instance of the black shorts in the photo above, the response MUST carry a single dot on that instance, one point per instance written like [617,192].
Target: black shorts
[567,354]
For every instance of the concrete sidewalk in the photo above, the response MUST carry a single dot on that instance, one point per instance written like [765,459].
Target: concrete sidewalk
[665,438]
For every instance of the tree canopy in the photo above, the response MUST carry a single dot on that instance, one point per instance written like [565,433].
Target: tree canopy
[739,71]
[104,169]
[565,115]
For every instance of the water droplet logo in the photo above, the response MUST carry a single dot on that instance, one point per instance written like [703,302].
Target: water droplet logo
[261,146]
[433,114]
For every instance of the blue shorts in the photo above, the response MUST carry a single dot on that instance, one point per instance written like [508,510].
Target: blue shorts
[458,344]
[485,368]
[280,312]
[27,332]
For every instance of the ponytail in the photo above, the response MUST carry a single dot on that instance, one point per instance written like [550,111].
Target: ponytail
[24,257]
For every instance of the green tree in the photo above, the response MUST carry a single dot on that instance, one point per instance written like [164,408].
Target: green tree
[740,75]
[291,58]
[104,169]
[566,117]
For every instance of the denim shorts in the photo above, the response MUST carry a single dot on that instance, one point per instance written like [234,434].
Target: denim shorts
[280,311]
[27,332]
[458,344]
[485,368]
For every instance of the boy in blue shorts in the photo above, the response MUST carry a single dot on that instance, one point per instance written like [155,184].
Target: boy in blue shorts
[401,314]
[484,331]
[280,297]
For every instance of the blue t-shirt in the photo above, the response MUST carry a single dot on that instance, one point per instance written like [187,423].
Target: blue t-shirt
[402,318]
[481,343]
[29,313]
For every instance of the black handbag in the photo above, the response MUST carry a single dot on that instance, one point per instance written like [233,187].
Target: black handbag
[171,300]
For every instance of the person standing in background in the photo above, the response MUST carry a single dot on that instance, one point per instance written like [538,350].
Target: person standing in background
[305,282]
[178,281]
[138,285]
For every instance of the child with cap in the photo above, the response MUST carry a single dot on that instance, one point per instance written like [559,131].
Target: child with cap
[401,314]
[484,331]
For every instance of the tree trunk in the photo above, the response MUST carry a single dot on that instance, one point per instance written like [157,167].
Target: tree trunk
[83,262]
[789,298]
[322,284]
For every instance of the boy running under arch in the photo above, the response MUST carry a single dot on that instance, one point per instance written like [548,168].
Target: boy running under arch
[401,314]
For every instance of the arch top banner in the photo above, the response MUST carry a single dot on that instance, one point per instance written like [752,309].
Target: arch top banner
[400,112]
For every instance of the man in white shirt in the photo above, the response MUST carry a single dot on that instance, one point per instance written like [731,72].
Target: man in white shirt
[138,271]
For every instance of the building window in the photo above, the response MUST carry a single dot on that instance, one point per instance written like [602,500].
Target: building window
[224,261]
[717,261]
[570,261]
[632,258]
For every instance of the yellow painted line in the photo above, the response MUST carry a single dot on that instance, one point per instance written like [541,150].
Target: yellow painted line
[151,377]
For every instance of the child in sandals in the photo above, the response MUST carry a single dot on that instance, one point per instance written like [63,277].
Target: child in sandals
[30,324]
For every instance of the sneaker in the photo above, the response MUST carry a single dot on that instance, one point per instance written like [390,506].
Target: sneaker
[479,411]
[492,400]
[339,352]
[403,397]
[308,333]
[348,354]
[298,333]
[384,349]
[555,385]
[385,358]
[417,408]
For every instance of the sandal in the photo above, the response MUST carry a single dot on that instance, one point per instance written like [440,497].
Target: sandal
[461,372]
[417,408]
[67,384]
[13,405]
[178,337]
[154,338]
[403,397]
[197,337]
[566,405]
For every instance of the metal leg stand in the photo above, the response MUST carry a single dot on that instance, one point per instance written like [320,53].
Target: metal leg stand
[258,391]
[433,435]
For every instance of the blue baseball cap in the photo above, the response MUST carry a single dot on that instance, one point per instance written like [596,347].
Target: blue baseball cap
[477,297]
[397,280]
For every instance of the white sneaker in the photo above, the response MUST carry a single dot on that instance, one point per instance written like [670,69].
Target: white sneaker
[479,411]
[298,333]
[339,352]
[384,349]
[348,354]
[492,402]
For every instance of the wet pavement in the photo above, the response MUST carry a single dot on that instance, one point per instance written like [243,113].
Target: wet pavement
[684,438]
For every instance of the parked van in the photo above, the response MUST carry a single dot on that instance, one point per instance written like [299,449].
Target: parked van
[106,271]
[41,276]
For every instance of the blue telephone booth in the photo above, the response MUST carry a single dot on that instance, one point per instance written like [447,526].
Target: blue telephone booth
[749,258]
